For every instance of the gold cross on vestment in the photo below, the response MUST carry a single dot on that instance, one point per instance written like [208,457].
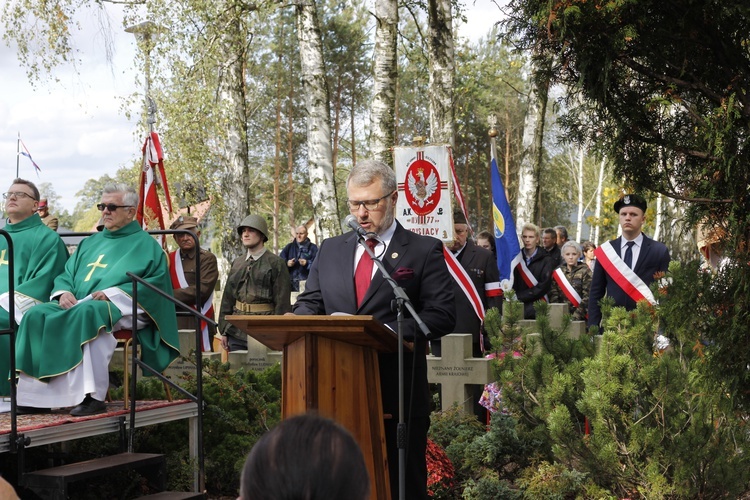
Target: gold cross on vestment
[94,265]
[2,259]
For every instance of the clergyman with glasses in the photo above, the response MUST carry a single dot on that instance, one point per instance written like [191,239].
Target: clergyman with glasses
[64,346]
[344,279]
[38,256]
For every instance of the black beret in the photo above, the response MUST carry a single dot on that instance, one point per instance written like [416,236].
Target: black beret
[459,218]
[630,200]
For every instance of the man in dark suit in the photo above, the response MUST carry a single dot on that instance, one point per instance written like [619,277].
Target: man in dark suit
[481,267]
[534,281]
[549,243]
[418,266]
[628,263]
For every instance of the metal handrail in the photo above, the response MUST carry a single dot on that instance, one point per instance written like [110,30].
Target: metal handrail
[195,312]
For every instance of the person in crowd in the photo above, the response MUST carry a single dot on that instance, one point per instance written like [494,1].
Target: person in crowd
[299,256]
[48,219]
[182,272]
[562,235]
[588,254]
[533,279]
[305,457]
[257,284]
[487,241]
[625,267]
[549,243]
[38,256]
[344,279]
[64,346]
[481,267]
[571,282]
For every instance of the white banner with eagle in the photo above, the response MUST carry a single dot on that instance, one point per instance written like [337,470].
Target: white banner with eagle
[424,184]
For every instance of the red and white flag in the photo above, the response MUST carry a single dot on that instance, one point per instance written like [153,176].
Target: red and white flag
[152,175]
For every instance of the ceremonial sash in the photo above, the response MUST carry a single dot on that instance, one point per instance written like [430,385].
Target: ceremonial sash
[464,282]
[527,276]
[493,289]
[467,286]
[179,281]
[626,279]
[564,284]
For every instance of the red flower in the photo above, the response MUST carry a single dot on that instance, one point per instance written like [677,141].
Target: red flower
[440,472]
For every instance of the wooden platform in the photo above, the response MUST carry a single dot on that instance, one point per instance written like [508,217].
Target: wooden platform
[59,426]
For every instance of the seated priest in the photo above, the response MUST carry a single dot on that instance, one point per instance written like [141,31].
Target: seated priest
[64,346]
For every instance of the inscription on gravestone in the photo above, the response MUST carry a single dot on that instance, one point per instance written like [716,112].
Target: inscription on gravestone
[456,369]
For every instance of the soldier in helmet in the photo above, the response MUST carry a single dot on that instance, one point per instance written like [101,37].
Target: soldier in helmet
[258,283]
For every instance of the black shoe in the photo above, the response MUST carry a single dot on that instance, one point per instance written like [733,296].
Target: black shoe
[30,410]
[89,406]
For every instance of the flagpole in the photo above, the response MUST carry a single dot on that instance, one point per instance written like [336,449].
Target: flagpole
[18,152]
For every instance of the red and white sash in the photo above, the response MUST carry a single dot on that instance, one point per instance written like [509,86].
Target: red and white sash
[179,281]
[625,278]
[564,283]
[464,282]
[493,289]
[527,276]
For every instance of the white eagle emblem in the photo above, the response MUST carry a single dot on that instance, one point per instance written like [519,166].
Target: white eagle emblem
[422,188]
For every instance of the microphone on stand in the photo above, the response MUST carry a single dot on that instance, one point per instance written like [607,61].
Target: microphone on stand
[351,222]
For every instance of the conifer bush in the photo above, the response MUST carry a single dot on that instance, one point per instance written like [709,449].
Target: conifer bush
[632,417]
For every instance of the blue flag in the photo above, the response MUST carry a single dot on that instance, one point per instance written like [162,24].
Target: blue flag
[506,241]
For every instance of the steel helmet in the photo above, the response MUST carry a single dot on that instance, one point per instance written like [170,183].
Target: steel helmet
[254,222]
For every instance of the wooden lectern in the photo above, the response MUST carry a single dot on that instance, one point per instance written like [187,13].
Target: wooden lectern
[330,365]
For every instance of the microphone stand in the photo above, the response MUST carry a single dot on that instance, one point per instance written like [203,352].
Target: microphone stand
[402,300]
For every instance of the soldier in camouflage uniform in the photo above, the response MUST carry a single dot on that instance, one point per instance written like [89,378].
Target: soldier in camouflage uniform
[258,283]
[579,276]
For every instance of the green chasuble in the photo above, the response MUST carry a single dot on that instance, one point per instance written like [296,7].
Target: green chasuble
[50,338]
[39,255]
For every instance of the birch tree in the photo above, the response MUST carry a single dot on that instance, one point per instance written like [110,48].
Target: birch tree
[527,203]
[442,64]
[385,74]
[315,89]
[235,178]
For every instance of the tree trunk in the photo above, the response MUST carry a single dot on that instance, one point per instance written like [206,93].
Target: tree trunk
[320,158]
[353,128]
[441,55]
[383,109]
[236,178]
[598,211]
[277,162]
[336,125]
[579,223]
[527,205]
[290,149]
[659,217]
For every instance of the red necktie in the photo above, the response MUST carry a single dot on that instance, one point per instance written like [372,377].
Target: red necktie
[363,273]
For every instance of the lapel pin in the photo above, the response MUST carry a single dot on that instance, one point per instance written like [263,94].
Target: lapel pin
[394,255]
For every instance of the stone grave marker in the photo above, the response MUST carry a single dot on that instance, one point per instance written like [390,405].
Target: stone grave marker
[456,369]
[183,364]
[257,357]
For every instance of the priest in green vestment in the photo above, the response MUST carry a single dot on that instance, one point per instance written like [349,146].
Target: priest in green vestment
[38,256]
[64,347]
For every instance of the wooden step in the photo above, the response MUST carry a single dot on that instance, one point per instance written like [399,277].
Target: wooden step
[53,483]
